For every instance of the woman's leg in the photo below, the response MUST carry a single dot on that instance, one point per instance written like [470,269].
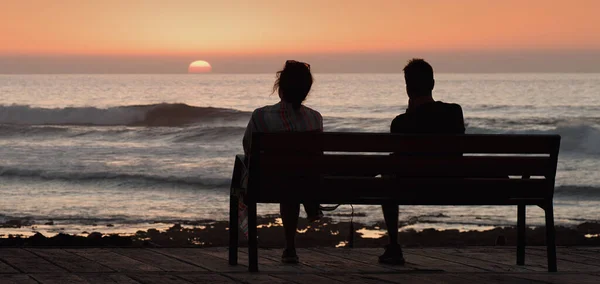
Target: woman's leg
[313,212]
[289,216]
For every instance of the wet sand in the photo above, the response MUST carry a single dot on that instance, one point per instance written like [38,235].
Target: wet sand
[325,233]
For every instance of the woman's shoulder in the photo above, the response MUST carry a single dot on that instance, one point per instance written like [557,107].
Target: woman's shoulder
[264,109]
[312,111]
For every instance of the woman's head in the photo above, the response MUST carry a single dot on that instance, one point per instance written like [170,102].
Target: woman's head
[293,82]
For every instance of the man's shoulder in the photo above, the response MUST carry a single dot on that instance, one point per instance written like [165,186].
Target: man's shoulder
[443,109]
[399,118]
[398,122]
[448,105]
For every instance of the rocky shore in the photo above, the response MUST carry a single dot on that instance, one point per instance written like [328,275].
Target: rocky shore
[325,233]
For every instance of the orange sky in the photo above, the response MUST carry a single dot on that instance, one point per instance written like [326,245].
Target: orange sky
[122,27]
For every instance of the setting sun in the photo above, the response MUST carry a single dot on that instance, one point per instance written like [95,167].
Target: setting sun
[199,66]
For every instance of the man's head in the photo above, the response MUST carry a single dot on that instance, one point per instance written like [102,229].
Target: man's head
[418,75]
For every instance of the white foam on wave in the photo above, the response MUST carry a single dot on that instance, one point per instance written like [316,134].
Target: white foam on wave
[580,138]
[164,114]
[26,115]
[575,137]
[108,176]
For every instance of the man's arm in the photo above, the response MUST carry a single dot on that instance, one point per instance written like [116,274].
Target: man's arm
[397,125]
[460,121]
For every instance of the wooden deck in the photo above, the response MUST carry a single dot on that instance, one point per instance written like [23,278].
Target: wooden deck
[318,265]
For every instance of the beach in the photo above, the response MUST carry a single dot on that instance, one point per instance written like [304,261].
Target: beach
[122,154]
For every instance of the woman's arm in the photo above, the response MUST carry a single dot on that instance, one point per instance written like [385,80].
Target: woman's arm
[248,136]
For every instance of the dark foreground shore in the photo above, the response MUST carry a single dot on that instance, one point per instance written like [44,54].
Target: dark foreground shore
[325,233]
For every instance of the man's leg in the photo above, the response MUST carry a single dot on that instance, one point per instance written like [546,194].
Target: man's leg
[393,251]
[289,216]
[390,214]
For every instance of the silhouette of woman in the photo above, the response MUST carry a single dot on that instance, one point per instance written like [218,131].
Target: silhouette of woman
[288,115]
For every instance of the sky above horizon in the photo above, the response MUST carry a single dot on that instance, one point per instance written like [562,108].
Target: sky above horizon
[152,36]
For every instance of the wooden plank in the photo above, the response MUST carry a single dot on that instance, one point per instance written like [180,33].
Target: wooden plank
[255,278]
[590,255]
[423,262]
[567,260]
[414,278]
[590,249]
[406,143]
[447,278]
[559,278]
[5,268]
[427,263]
[532,262]
[196,257]
[265,264]
[113,260]
[58,278]
[468,166]
[495,278]
[361,259]
[16,279]
[161,261]
[275,255]
[27,262]
[212,278]
[69,261]
[463,258]
[501,258]
[107,278]
[371,278]
[301,278]
[489,278]
[535,258]
[472,191]
[157,278]
[335,264]
[452,278]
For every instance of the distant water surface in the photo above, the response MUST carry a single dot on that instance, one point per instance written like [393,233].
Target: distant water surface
[132,150]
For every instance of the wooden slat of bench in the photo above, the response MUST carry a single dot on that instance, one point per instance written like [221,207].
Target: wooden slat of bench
[408,166]
[419,191]
[407,143]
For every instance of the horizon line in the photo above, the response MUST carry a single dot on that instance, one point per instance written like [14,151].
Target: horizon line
[271,73]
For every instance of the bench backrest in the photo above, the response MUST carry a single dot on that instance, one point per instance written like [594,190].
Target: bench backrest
[423,169]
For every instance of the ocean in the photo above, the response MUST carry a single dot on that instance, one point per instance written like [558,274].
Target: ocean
[121,153]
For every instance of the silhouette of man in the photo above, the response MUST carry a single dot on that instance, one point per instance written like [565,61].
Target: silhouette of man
[424,115]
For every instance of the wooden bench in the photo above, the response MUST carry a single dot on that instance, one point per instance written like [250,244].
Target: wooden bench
[340,168]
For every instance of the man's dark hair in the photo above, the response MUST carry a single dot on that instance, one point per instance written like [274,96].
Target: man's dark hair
[418,75]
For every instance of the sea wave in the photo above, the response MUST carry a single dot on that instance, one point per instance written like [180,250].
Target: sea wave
[210,134]
[8,130]
[521,123]
[112,176]
[590,192]
[530,107]
[165,114]
[190,124]
[578,138]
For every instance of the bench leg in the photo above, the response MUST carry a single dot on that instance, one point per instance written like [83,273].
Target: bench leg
[521,229]
[550,237]
[233,229]
[252,238]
